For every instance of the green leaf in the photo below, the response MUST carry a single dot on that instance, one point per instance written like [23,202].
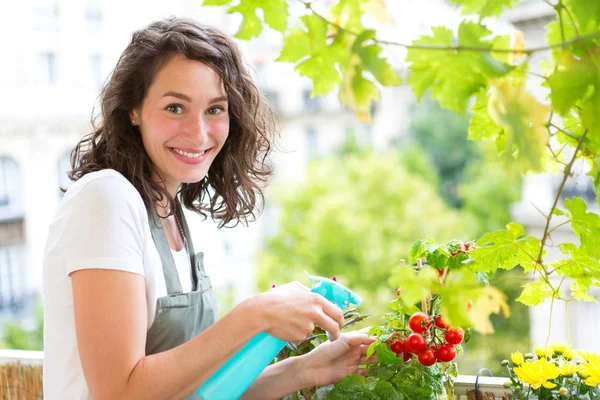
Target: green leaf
[216,2]
[587,13]
[385,391]
[358,93]
[453,76]
[573,79]
[484,8]
[580,267]
[372,60]
[317,60]
[524,121]
[413,285]
[585,224]
[275,13]
[481,125]
[348,14]
[580,292]
[351,387]
[502,249]
[419,248]
[534,293]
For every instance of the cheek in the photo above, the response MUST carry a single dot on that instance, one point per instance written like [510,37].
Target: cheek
[162,128]
[223,130]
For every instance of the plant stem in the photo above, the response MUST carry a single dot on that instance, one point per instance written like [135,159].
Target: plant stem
[530,51]
[566,174]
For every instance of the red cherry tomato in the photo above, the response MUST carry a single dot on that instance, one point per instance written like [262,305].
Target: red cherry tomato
[416,342]
[445,353]
[419,322]
[469,305]
[397,347]
[427,358]
[454,335]
[398,293]
[441,272]
[407,356]
[439,322]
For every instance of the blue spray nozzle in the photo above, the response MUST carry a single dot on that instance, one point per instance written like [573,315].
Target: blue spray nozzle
[333,291]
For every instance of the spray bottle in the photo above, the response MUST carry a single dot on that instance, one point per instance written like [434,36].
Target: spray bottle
[240,371]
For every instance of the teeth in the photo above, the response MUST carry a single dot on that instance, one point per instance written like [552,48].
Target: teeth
[189,155]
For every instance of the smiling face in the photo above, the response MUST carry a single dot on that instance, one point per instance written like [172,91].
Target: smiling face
[184,121]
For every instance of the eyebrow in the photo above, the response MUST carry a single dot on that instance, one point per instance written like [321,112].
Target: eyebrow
[189,100]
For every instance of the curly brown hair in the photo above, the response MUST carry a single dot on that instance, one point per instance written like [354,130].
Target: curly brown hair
[232,188]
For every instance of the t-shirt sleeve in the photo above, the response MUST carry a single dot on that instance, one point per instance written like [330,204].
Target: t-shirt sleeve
[103,227]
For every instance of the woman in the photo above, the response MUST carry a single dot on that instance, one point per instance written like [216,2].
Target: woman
[129,311]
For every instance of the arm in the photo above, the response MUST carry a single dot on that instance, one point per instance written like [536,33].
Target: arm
[111,323]
[328,363]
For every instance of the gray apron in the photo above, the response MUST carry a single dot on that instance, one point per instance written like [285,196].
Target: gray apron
[179,316]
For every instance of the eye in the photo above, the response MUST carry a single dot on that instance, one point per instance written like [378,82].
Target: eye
[175,108]
[216,110]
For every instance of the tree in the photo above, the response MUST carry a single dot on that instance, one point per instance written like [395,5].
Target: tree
[354,216]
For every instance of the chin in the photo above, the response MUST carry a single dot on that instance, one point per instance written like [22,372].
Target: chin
[192,178]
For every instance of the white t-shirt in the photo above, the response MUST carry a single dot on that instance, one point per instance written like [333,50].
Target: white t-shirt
[101,223]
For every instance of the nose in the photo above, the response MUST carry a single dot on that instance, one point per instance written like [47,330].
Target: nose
[197,129]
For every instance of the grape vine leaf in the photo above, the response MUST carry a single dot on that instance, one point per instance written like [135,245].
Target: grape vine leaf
[580,291]
[524,121]
[491,300]
[573,79]
[275,14]
[414,285]
[315,58]
[501,249]
[587,13]
[580,266]
[585,224]
[484,8]
[535,293]
[454,76]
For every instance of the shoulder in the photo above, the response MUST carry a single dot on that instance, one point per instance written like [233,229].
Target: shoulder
[105,187]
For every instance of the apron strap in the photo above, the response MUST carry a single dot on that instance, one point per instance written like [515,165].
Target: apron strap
[188,243]
[164,250]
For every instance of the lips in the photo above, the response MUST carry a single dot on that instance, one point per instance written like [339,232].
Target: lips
[189,153]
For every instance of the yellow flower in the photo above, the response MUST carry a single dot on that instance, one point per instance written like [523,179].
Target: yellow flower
[559,348]
[592,373]
[542,352]
[537,373]
[569,354]
[569,369]
[517,358]
[590,356]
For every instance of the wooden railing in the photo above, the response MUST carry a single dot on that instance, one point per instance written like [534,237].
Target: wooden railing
[21,378]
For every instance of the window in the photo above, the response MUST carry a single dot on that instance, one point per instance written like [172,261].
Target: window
[10,190]
[311,143]
[13,288]
[311,104]
[46,73]
[45,15]
[96,75]
[93,14]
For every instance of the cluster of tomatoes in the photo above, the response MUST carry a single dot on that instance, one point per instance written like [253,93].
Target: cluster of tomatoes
[431,340]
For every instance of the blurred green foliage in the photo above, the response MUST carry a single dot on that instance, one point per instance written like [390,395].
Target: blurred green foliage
[357,213]
[15,336]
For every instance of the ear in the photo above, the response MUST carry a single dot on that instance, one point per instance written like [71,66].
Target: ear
[134,117]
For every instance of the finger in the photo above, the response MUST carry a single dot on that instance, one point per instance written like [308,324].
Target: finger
[371,360]
[357,338]
[333,311]
[330,326]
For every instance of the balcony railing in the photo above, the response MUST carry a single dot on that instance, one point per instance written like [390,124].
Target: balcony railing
[28,364]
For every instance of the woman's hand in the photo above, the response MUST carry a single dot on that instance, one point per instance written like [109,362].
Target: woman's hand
[291,311]
[331,362]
